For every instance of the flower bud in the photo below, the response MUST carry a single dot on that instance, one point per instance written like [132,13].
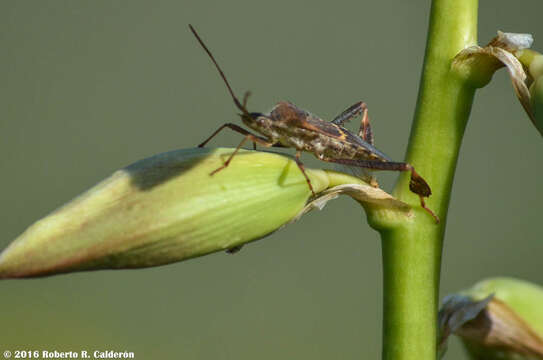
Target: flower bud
[164,209]
[500,318]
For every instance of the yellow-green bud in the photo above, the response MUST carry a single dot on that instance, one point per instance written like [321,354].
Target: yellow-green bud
[164,209]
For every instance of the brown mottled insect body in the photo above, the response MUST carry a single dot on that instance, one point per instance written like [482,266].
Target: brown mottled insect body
[289,126]
[301,130]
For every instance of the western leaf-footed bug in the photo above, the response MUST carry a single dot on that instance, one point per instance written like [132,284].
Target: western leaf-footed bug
[289,126]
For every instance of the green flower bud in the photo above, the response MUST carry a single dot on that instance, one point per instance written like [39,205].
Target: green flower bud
[164,209]
[500,318]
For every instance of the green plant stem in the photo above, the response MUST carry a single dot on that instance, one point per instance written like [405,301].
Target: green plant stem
[412,248]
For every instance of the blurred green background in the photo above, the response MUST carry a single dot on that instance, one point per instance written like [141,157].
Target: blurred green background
[89,87]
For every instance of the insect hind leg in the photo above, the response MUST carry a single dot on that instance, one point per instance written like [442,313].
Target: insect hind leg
[354,110]
[417,184]
[365,128]
[349,113]
[365,131]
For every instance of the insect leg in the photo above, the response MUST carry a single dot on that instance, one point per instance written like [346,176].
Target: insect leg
[365,129]
[301,166]
[235,128]
[248,136]
[364,132]
[348,114]
[416,184]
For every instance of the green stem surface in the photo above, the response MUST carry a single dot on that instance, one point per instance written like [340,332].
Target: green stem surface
[412,248]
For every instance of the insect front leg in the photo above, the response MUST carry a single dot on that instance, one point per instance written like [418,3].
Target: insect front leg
[248,136]
[233,127]
[236,128]
[416,184]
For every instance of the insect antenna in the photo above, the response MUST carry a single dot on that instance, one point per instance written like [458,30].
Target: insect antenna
[236,101]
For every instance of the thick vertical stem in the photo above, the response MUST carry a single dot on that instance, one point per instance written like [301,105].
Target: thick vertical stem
[412,248]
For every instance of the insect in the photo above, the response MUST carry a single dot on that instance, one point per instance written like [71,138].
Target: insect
[289,126]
